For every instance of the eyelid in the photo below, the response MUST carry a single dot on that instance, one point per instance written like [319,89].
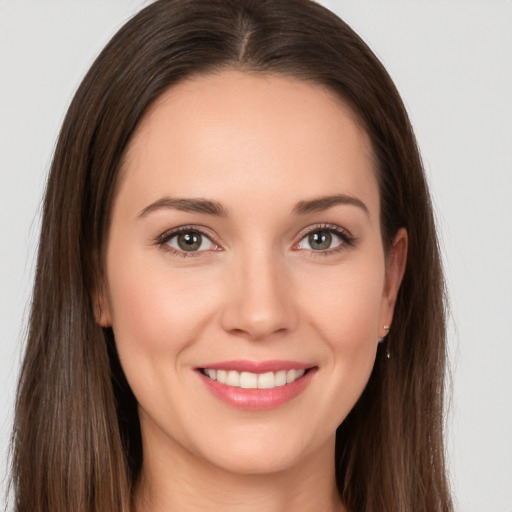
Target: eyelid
[347,238]
[163,239]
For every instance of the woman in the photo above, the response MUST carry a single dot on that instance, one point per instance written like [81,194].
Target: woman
[238,301]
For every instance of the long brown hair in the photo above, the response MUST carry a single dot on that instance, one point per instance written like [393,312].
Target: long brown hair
[76,439]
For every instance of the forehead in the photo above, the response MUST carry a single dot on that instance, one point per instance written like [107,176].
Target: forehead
[259,133]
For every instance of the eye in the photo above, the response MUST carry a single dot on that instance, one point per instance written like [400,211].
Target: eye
[325,239]
[187,240]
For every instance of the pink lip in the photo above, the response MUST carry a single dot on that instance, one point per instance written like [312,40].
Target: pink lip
[257,399]
[258,366]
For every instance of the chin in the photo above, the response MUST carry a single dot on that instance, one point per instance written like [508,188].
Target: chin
[265,452]
[251,462]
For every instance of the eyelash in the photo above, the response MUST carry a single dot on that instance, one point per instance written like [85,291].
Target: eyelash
[347,239]
[164,238]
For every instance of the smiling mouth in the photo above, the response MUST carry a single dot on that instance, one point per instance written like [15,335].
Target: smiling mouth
[248,380]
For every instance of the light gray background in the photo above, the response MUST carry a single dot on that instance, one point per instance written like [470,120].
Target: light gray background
[452,62]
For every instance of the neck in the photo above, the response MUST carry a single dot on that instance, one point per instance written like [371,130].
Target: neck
[177,480]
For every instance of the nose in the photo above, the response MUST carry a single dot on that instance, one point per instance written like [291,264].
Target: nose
[260,297]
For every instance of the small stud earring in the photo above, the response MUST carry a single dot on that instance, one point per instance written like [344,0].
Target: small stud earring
[386,328]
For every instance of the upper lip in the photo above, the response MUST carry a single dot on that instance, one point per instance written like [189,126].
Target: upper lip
[257,366]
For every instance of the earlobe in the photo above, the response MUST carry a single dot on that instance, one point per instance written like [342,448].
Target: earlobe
[101,303]
[395,269]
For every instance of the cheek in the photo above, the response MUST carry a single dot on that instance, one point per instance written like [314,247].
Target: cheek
[155,314]
[344,314]
[345,310]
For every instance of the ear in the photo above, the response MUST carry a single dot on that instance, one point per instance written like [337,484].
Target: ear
[101,302]
[395,269]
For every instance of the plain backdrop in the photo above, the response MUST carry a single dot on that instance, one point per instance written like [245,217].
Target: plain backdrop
[451,61]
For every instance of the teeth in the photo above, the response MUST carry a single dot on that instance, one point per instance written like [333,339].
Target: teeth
[221,376]
[233,379]
[281,378]
[248,380]
[266,380]
[294,375]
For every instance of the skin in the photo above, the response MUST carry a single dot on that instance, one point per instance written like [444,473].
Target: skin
[257,145]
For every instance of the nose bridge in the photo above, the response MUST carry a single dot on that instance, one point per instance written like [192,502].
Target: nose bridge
[260,301]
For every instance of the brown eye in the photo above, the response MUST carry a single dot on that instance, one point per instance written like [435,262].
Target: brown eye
[189,241]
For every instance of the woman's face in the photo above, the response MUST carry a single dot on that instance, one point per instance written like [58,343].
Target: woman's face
[245,244]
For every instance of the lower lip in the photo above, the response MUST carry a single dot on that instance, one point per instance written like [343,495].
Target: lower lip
[258,399]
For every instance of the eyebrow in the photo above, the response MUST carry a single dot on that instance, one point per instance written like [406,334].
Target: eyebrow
[326,202]
[199,205]
[186,205]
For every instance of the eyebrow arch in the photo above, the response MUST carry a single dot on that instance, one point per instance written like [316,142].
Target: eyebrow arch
[324,203]
[197,205]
